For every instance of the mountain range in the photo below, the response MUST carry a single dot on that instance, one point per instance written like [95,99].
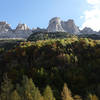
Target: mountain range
[55,25]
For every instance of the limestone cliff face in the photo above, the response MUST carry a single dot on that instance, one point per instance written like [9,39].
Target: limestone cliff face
[21,31]
[5,30]
[69,26]
[4,27]
[56,24]
[22,27]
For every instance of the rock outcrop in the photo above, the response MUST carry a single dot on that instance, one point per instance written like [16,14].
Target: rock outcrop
[4,27]
[88,30]
[22,27]
[56,25]
[5,30]
[70,27]
[21,31]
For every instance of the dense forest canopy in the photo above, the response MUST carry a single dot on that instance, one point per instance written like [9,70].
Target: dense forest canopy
[59,35]
[48,35]
[51,63]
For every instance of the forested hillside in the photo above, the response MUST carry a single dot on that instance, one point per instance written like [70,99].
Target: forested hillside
[59,35]
[47,68]
[49,35]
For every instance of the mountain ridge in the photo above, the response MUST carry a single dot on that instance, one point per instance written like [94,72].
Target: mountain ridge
[55,25]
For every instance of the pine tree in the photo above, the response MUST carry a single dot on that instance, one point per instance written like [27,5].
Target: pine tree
[6,88]
[37,95]
[15,96]
[28,90]
[48,94]
[66,93]
[28,96]
[92,97]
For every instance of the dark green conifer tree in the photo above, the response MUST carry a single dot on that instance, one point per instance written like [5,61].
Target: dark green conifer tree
[6,88]
[28,90]
[15,96]
[48,94]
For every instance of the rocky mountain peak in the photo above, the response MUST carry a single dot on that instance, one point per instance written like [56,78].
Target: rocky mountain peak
[3,23]
[22,27]
[4,27]
[88,30]
[55,20]
[69,26]
[70,21]
[55,25]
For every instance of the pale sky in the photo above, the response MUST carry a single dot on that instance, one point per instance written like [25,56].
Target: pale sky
[37,13]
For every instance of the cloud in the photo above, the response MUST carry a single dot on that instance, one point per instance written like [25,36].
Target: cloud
[93,2]
[92,16]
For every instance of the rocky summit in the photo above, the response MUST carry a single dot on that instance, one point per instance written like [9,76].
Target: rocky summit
[55,25]
[21,31]
[88,30]
[4,27]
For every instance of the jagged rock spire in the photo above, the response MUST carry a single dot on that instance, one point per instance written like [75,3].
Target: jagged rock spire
[22,27]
